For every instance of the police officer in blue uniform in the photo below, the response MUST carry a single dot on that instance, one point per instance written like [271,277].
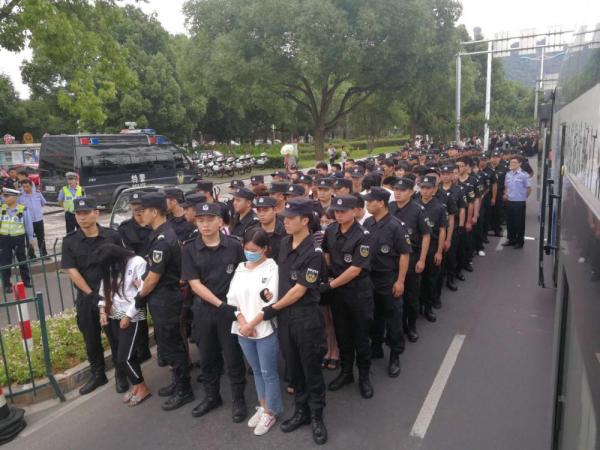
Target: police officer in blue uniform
[347,247]
[390,254]
[16,230]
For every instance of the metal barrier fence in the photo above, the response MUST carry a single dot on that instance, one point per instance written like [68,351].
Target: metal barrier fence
[46,277]
[19,307]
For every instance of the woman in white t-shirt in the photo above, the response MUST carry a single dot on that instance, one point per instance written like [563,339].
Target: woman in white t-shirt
[254,286]
[125,326]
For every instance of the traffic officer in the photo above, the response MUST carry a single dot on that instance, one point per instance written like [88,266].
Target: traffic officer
[176,213]
[244,217]
[270,223]
[161,291]
[135,235]
[16,232]
[209,263]
[390,254]
[66,198]
[346,246]
[413,215]
[301,323]
[436,216]
[86,274]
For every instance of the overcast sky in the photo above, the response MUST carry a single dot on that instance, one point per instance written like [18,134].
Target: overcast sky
[491,15]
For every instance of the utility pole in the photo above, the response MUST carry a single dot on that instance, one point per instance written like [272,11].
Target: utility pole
[539,86]
[488,97]
[458,89]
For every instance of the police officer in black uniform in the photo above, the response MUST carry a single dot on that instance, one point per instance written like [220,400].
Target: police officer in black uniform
[209,263]
[455,202]
[244,217]
[207,189]
[301,323]
[135,235]
[413,216]
[465,250]
[437,219]
[176,213]
[497,203]
[346,245]
[390,254]
[161,292]
[86,275]
[270,223]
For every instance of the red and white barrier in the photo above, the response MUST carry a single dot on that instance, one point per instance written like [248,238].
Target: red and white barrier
[24,322]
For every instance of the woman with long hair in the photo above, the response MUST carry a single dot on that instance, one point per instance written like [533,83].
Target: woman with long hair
[125,325]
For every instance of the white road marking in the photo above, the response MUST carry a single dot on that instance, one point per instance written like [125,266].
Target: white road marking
[423,420]
[529,238]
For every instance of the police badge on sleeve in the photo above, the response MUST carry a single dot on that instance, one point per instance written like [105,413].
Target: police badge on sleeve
[312,275]
[157,256]
[364,251]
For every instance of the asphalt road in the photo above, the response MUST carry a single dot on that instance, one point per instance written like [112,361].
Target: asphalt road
[478,379]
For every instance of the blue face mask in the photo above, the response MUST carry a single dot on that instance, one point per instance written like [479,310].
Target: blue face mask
[252,256]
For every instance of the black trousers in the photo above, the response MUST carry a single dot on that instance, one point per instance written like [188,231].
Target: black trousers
[464,249]
[448,267]
[10,245]
[88,322]
[427,294]
[352,312]
[387,317]
[478,229]
[38,229]
[515,222]
[487,213]
[412,287]
[125,347]
[211,330]
[301,331]
[70,222]
[497,214]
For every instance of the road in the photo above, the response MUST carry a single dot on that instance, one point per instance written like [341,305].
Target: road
[478,379]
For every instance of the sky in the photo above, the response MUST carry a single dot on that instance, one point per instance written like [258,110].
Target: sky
[492,16]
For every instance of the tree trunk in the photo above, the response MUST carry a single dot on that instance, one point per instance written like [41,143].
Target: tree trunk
[413,130]
[319,140]
[370,144]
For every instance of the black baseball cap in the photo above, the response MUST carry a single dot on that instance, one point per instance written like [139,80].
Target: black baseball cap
[305,179]
[297,207]
[192,200]
[156,200]
[377,193]
[280,174]
[357,172]
[236,184]
[257,179]
[174,193]
[295,190]
[208,209]
[244,193]
[279,187]
[404,183]
[136,198]
[206,186]
[325,183]
[85,204]
[446,168]
[343,183]
[427,181]
[265,202]
[343,203]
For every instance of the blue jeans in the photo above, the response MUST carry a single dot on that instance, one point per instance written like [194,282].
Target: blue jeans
[263,355]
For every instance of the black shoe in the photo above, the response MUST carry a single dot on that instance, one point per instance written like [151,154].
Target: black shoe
[429,315]
[412,336]
[376,352]
[250,371]
[365,387]
[29,285]
[167,391]
[451,286]
[507,244]
[341,380]
[301,417]
[180,398]
[485,240]
[239,411]
[517,246]
[460,277]
[200,378]
[8,289]
[437,304]
[469,268]
[319,431]
[394,365]
[208,404]
[121,384]
[95,381]
[498,234]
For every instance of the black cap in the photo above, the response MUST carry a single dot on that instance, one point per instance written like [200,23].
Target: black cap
[244,193]
[357,172]
[208,209]
[156,200]
[174,193]
[325,183]
[297,207]
[343,203]
[377,193]
[136,198]
[257,179]
[447,168]
[265,202]
[305,179]
[192,200]
[404,183]
[280,174]
[85,204]
[343,183]
[497,153]
[206,186]
[279,187]
[427,181]
[236,184]
[295,190]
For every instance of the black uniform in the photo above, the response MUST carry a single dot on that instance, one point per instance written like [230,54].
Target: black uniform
[389,240]
[135,236]
[450,199]
[482,185]
[487,200]
[77,254]
[240,226]
[211,329]
[275,238]
[465,246]
[181,227]
[352,304]
[301,325]
[165,302]
[413,216]
[497,215]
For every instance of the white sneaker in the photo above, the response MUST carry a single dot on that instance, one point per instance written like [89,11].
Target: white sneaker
[256,417]
[265,424]
[481,253]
